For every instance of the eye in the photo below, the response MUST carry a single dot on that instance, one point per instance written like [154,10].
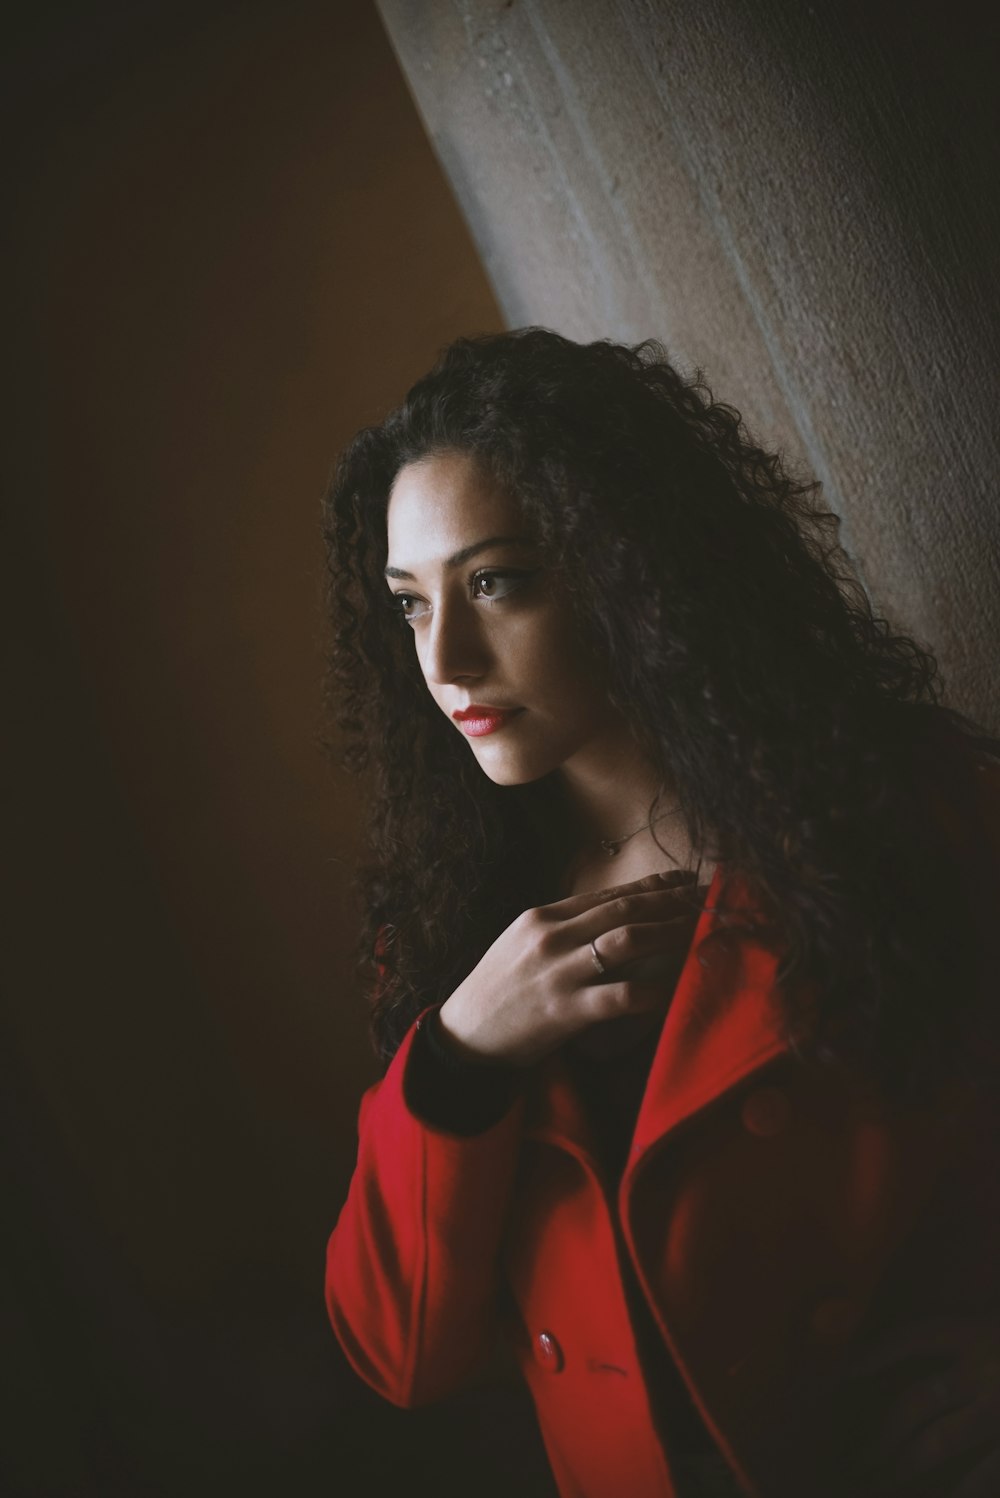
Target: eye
[491,585]
[409,607]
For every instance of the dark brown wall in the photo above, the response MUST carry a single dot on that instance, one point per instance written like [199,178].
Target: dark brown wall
[233,246]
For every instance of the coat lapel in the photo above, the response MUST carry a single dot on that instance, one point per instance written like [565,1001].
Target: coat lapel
[722,1025]
[724,1020]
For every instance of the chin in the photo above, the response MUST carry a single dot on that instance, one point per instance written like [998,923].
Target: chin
[514,769]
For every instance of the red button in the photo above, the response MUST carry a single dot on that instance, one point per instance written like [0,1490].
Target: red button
[548,1353]
[766,1112]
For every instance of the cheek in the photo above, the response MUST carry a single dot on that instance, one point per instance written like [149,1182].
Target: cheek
[567,658]
[417,646]
[433,687]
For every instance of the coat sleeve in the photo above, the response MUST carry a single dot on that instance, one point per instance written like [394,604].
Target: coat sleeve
[412,1272]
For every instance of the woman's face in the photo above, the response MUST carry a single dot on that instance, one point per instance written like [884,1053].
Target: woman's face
[491,624]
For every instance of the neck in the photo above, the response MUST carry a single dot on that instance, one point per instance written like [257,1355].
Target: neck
[606,793]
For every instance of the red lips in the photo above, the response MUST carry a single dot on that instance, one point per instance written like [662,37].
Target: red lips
[480,718]
[481,710]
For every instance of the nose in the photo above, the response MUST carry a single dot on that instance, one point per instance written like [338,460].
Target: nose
[454,645]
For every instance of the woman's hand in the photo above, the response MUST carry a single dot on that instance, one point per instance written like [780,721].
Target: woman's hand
[949,1411]
[538,985]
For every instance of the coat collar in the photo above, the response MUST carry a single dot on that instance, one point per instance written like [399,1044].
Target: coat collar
[722,1025]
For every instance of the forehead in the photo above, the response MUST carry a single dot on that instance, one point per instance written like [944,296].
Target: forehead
[442,503]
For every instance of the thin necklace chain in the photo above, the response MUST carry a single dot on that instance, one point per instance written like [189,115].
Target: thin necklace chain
[613,845]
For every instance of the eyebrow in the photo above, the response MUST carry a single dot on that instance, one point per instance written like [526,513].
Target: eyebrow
[467,552]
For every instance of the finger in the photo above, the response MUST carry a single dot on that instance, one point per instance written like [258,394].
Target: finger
[628,913]
[947,1439]
[575,905]
[600,1001]
[654,906]
[669,938]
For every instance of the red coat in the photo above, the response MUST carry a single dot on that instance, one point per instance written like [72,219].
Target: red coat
[776,1215]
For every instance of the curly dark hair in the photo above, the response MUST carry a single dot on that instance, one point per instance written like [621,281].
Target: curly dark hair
[800,732]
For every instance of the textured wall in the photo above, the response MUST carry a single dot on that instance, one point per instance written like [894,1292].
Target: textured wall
[799,199]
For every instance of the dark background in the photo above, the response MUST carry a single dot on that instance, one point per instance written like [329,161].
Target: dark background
[229,246]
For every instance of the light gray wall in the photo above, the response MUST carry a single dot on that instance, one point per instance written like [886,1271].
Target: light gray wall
[798,199]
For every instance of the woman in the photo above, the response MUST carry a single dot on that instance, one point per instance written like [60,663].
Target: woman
[683,904]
